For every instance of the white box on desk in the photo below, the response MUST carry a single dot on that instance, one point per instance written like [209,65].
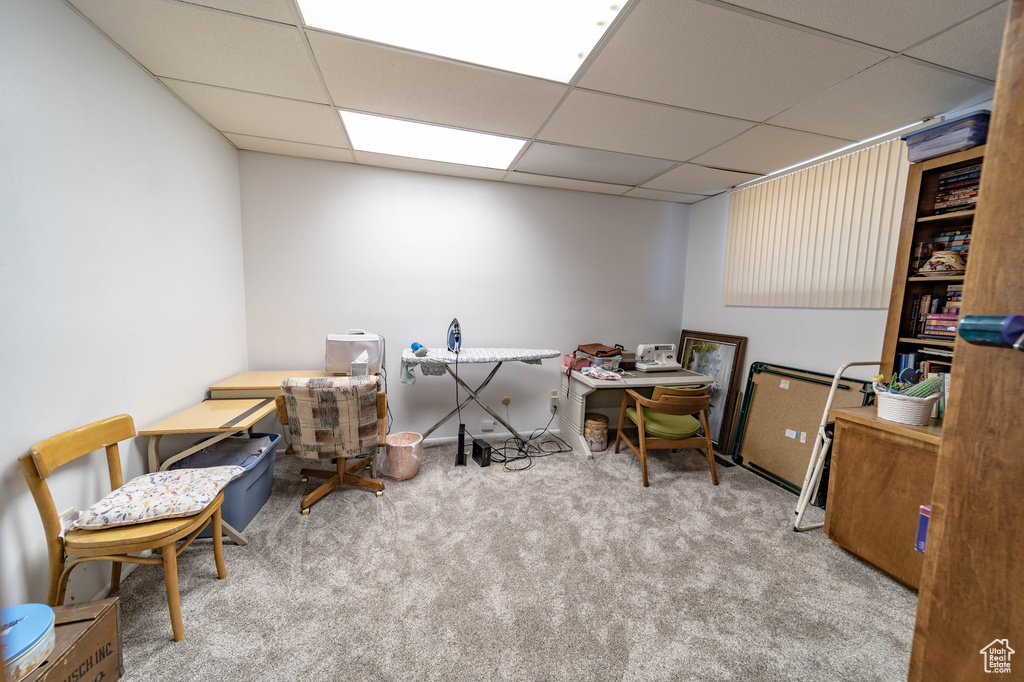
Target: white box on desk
[343,349]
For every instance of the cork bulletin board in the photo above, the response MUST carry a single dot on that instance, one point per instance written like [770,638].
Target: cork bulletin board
[779,419]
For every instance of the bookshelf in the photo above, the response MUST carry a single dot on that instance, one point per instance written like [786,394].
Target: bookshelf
[930,214]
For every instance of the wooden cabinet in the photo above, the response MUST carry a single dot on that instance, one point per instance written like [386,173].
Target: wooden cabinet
[921,224]
[881,474]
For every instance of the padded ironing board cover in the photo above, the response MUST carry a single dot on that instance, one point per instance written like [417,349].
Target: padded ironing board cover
[434,362]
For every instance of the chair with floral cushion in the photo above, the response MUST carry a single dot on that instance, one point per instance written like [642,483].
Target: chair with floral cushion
[152,511]
[335,418]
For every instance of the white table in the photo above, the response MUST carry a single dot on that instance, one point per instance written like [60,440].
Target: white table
[438,360]
[606,397]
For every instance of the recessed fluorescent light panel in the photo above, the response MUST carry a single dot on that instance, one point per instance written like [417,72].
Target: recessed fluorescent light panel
[543,38]
[424,141]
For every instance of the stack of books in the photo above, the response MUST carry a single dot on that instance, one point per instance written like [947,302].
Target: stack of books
[935,311]
[958,190]
[940,326]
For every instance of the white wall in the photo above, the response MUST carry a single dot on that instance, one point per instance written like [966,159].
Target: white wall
[818,339]
[331,246]
[120,263]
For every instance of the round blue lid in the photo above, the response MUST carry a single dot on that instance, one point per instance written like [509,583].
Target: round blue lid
[22,626]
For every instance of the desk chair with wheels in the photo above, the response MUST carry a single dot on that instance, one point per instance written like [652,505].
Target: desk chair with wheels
[118,543]
[667,420]
[335,418]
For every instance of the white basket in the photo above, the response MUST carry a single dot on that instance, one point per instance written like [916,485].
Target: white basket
[905,409]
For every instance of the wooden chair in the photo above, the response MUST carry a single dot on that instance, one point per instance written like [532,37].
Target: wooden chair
[344,473]
[666,421]
[118,543]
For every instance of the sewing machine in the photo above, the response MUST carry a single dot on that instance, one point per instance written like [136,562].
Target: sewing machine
[656,357]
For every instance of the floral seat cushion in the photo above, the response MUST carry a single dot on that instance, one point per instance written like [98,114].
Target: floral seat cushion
[160,495]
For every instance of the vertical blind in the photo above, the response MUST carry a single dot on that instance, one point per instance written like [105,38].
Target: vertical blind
[821,237]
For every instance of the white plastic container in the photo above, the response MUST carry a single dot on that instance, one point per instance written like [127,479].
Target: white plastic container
[344,349]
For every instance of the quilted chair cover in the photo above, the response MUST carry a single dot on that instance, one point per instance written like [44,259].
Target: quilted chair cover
[332,417]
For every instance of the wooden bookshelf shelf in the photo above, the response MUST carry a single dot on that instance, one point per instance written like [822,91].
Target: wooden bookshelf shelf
[937,278]
[925,342]
[946,217]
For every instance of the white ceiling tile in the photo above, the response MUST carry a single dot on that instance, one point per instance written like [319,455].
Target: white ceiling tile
[284,148]
[693,179]
[972,47]
[589,164]
[766,149]
[565,183]
[274,10]
[700,56]
[194,43]
[893,94]
[891,24]
[381,80]
[234,111]
[658,195]
[590,119]
[424,166]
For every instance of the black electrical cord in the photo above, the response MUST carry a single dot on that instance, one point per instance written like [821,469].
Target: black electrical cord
[516,450]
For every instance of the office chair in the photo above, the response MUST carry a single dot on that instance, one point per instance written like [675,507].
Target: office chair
[335,418]
[117,543]
[666,421]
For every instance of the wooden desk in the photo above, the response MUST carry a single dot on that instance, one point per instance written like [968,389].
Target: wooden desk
[260,384]
[586,394]
[223,418]
[881,474]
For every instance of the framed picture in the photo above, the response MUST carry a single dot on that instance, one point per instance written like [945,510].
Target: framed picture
[720,357]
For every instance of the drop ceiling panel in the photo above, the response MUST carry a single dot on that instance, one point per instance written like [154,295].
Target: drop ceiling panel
[701,56]
[972,47]
[424,166]
[693,179]
[274,10]
[234,111]
[893,94]
[590,119]
[658,195]
[381,80]
[565,183]
[766,149]
[194,43]
[284,148]
[891,24]
[589,164]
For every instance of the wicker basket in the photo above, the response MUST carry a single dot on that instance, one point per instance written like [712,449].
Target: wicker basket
[904,409]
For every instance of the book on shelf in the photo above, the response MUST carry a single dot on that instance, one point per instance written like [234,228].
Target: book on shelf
[937,336]
[939,352]
[974,169]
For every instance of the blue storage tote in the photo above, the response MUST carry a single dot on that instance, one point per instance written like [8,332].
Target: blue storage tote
[245,495]
[950,136]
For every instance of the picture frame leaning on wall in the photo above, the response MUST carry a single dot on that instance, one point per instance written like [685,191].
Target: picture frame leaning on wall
[721,357]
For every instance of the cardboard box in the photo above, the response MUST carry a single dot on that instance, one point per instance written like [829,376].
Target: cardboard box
[87,644]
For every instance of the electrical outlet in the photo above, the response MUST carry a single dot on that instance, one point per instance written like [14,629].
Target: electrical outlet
[553,399]
[487,425]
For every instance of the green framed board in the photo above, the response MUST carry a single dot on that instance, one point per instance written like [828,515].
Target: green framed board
[779,418]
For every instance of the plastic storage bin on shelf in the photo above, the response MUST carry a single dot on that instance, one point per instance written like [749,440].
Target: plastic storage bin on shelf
[947,137]
[245,495]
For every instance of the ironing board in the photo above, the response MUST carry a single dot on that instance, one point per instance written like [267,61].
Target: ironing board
[437,361]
